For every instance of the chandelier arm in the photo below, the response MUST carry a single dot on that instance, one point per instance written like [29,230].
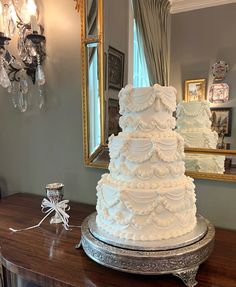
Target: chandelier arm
[12,73]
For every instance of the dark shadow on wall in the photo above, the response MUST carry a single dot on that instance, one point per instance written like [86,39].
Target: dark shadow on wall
[3,187]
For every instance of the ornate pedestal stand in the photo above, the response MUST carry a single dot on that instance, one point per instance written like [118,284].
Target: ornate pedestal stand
[180,257]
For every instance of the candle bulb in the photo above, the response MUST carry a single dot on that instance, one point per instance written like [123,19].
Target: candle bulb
[32,9]
[33,21]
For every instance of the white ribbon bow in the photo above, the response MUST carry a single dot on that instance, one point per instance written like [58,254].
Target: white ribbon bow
[59,207]
[48,207]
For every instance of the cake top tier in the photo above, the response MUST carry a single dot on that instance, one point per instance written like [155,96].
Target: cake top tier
[134,100]
[194,115]
[194,109]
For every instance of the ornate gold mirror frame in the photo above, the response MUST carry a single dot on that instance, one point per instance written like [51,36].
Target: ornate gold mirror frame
[92,158]
[99,157]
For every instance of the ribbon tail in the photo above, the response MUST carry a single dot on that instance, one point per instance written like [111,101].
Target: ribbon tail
[48,207]
[64,218]
[34,226]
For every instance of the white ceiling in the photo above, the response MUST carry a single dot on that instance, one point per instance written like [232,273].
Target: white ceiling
[187,5]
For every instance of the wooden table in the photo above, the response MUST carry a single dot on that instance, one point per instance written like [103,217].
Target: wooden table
[47,255]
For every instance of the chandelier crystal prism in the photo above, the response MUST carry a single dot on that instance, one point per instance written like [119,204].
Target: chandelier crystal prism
[19,19]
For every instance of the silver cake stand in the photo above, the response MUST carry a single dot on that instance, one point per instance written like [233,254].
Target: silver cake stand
[180,257]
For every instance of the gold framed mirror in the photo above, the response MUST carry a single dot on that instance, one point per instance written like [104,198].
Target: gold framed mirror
[92,80]
[96,105]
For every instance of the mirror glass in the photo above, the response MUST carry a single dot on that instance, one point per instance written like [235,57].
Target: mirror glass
[123,64]
[93,98]
[203,68]
[195,123]
[221,164]
[91,18]
[117,46]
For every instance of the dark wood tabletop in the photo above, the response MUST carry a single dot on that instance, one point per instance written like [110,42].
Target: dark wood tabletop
[47,255]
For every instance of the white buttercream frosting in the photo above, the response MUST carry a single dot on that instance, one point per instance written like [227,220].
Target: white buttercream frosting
[146,195]
[166,146]
[205,163]
[194,115]
[137,100]
[146,214]
[199,139]
[194,125]
[147,109]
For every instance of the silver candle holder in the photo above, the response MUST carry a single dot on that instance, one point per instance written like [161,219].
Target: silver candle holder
[55,193]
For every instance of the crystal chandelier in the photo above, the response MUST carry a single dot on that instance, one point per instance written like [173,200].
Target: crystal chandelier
[22,73]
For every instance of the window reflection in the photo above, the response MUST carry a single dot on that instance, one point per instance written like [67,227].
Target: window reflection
[93,99]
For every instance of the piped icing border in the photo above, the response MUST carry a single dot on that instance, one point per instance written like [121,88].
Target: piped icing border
[143,203]
[196,124]
[203,109]
[200,139]
[134,123]
[128,210]
[162,186]
[131,101]
[168,147]
[199,163]
[162,231]
[144,173]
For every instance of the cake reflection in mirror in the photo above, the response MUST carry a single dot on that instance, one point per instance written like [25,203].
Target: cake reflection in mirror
[194,125]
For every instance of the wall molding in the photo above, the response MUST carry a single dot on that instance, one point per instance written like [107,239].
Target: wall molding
[188,5]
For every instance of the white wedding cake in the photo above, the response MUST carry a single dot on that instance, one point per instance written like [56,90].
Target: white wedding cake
[146,195]
[194,125]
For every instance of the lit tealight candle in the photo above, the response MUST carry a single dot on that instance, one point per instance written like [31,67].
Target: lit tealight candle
[32,9]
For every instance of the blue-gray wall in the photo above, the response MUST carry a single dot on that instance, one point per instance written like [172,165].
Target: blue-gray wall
[41,147]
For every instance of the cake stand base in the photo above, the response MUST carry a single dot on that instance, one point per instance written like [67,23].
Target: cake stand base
[182,262]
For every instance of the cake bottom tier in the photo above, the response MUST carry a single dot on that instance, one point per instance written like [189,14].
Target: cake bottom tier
[150,214]
[205,163]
